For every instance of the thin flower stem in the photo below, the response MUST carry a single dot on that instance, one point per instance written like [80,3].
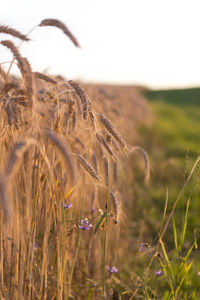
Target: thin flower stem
[105,236]
[78,240]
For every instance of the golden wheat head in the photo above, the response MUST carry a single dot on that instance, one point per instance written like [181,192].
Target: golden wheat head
[13,32]
[62,26]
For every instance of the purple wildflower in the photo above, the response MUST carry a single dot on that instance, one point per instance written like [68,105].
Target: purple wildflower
[68,205]
[112,270]
[35,246]
[84,221]
[85,224]
[159,273]
[92,209]
[143,247]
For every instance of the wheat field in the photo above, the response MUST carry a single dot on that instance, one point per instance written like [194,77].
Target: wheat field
[63,168]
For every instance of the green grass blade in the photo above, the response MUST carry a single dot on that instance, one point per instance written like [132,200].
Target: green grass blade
[181,282]
[168,278]
[90,293]
[184,226]
[189,251]
[166,258]
[175,236]
[100,222]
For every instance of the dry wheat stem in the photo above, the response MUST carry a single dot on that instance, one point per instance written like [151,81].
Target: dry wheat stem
[106,171]
[4,198]
[16,152]
[3,74]
[73,120]
[115,171]
[94,160]
[63,149]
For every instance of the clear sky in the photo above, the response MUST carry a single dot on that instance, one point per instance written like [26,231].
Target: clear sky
[149,42]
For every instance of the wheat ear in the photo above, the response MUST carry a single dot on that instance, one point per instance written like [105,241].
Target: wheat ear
[62,26]
[146,161]
[95,164]
[116,206]
[81,95]
[24,67]
[28,80]
[44,77]
[113,131]
[102,141]
[10,45]
[13,32]
[87,166]
[8,86]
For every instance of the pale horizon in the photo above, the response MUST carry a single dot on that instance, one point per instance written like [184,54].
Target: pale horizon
[149,43]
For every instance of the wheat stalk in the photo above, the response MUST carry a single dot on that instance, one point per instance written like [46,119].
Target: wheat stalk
[4,201]
[63,149]
[94,160]
[16,152]
[106,167]
[3,74]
